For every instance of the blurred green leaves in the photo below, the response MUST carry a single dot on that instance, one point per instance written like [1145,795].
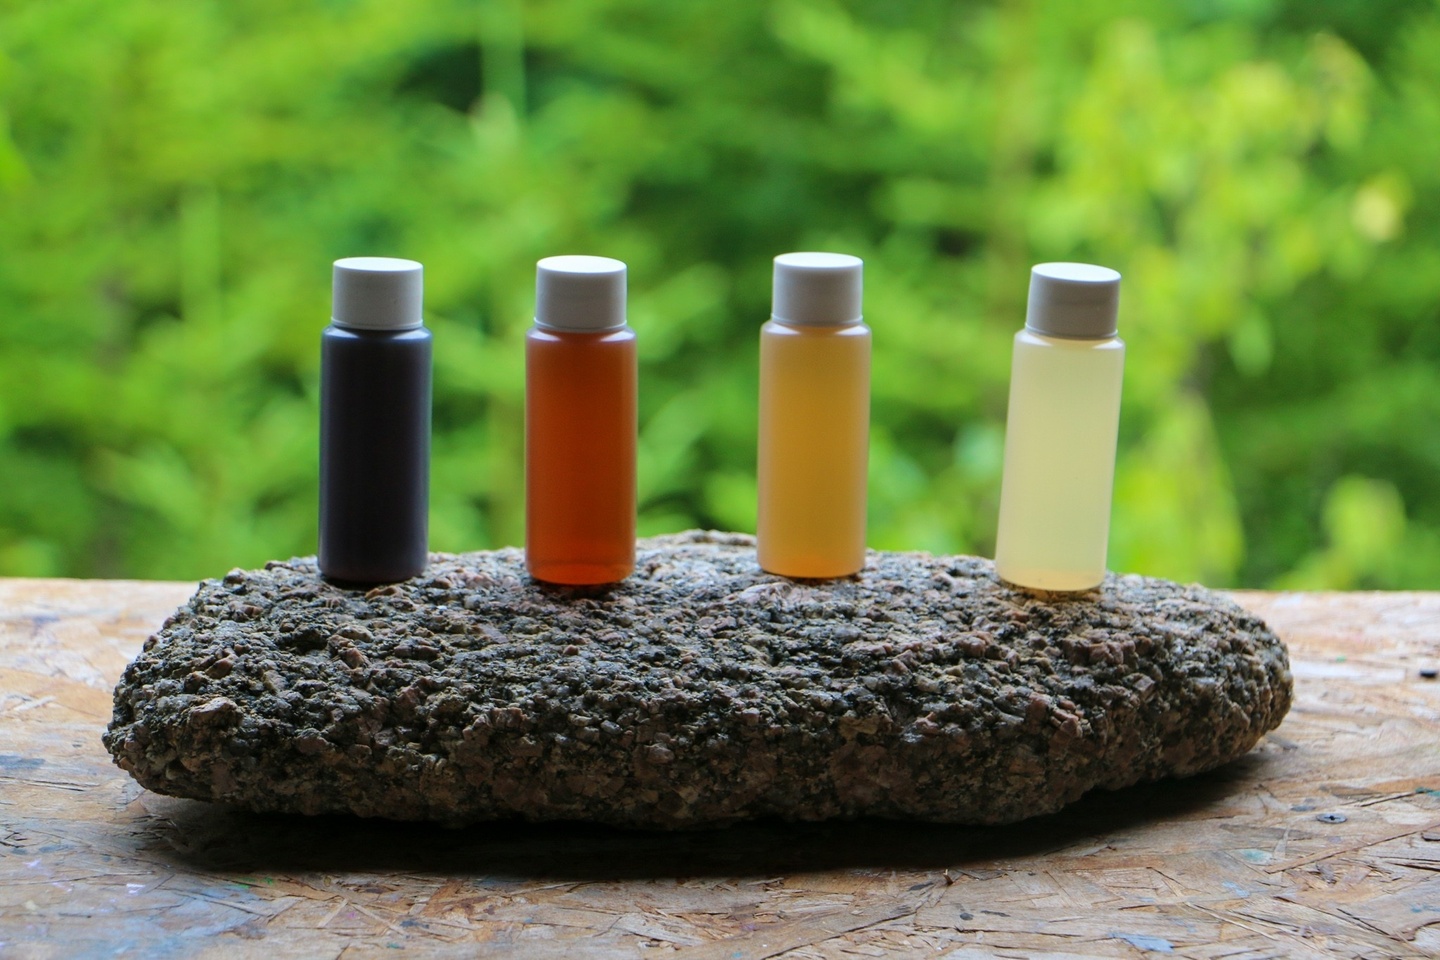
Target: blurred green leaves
[1365,529]
[175,180]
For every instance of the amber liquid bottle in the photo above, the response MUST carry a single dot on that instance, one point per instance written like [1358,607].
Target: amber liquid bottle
[580,424]
[814,419]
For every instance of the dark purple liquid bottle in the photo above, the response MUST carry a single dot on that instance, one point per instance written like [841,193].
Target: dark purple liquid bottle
[375,363]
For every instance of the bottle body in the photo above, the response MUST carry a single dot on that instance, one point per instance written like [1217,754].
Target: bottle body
[814,448]
[374,453]
[581,391]
[1060,437]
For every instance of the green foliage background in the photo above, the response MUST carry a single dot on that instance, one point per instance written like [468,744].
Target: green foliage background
[175,179]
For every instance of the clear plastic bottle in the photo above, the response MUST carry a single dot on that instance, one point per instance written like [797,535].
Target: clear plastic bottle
[580,424]
[1061,431]
[375,424]
[814,419]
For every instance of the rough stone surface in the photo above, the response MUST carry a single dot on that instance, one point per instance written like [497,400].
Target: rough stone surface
[698,692]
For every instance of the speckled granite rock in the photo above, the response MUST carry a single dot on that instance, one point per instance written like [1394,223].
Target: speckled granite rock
[700,691]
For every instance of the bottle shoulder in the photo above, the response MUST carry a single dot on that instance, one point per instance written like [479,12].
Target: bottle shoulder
[615,335]
[1029,338]
[774,328]
[338,334]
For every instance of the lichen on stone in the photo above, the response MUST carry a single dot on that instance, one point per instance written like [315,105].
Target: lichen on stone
[700,691]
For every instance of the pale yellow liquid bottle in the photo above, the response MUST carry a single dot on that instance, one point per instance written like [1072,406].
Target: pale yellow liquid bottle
[814,419]
[1061,430]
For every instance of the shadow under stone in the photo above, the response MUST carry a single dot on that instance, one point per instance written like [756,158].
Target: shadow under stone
[199,836]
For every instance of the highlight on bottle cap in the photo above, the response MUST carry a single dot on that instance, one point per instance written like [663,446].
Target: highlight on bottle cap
[378,293]
[1078,301]
[580,293]
[819,289]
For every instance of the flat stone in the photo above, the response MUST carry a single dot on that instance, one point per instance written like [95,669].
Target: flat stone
[700,691]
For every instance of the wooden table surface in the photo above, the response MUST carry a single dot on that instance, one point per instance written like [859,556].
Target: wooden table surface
[1325,841]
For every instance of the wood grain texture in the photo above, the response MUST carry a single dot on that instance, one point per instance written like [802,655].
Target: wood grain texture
[1325,841]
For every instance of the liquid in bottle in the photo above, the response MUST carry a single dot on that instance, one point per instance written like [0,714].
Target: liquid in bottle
[580,424]
[814,419]
[375,363]
[1060,433]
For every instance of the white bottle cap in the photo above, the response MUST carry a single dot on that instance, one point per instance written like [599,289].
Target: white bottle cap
[378,293]
[820,289]
[1073,300]
[580,293]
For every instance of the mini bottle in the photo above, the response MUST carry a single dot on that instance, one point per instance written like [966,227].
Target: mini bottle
[375,424]
[814,419]
[1061,430]
[580,422]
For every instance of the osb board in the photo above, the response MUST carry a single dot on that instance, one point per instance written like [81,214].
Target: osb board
[1323,842]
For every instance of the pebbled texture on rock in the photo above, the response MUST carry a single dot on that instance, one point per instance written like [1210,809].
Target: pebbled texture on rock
[698,692]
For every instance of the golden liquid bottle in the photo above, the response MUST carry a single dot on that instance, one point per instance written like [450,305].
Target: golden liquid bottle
[814,419]
[580,424]
[1061,430]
